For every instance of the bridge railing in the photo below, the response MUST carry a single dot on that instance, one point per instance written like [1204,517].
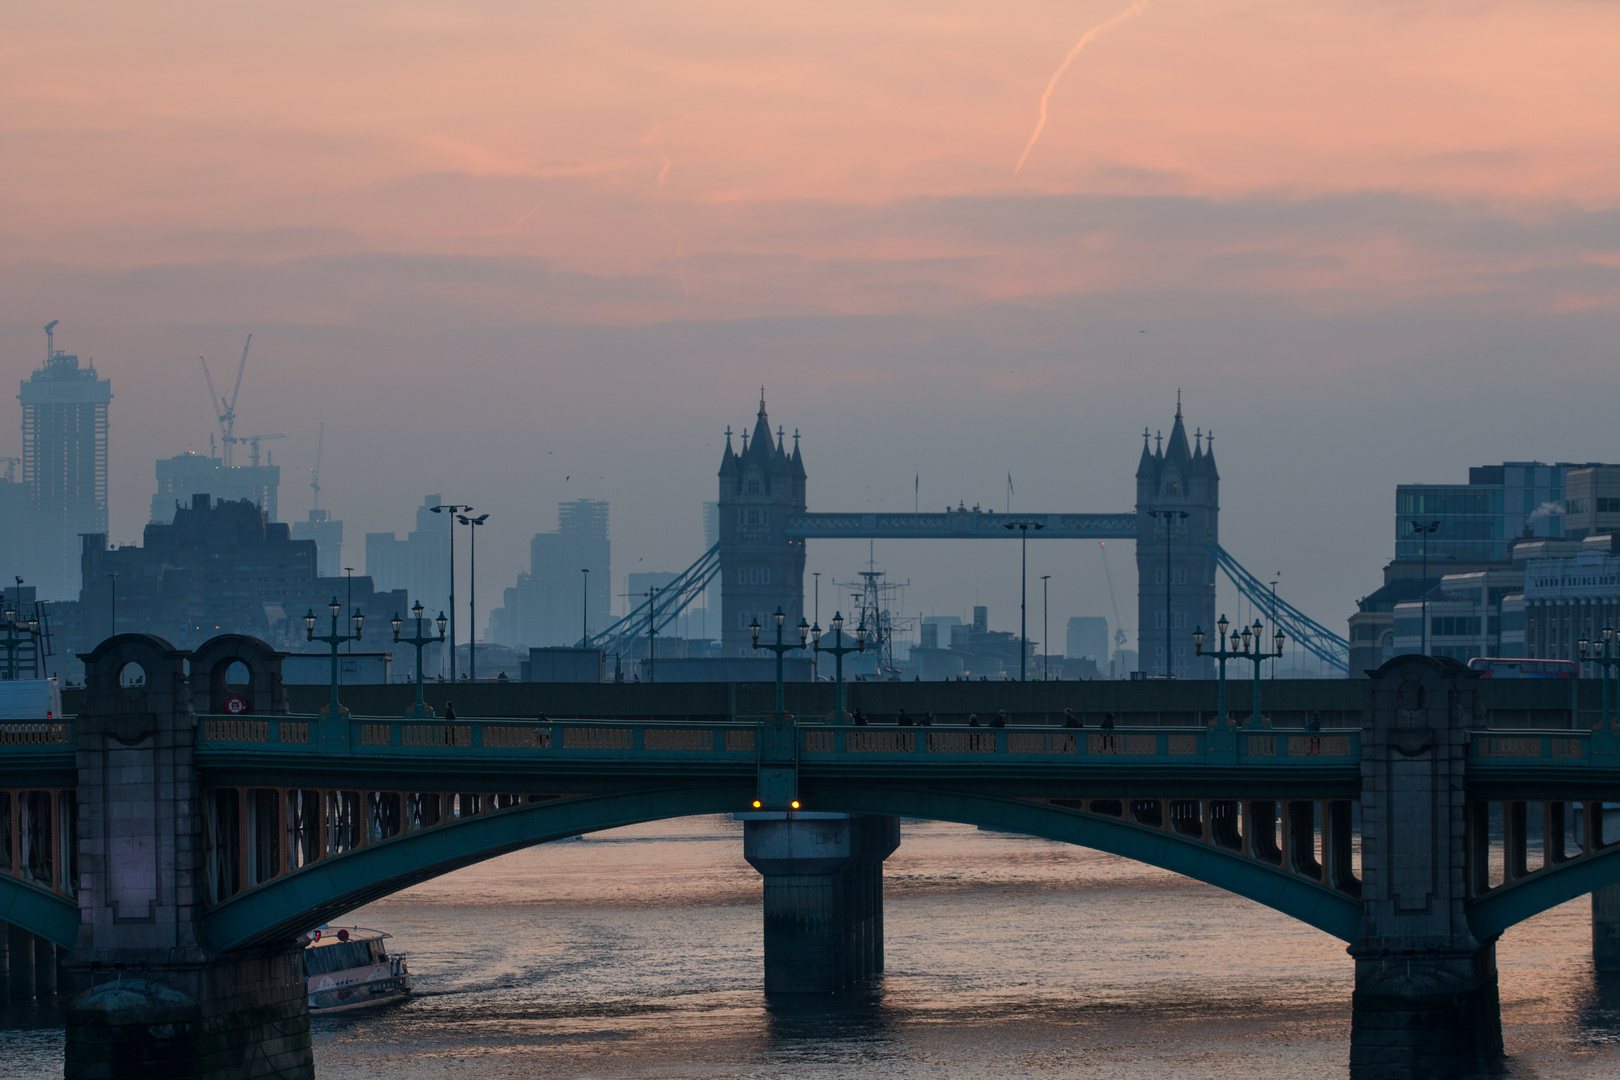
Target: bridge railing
[738,741]
[564,738]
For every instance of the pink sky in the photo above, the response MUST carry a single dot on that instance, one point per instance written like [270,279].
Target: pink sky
[1310,197]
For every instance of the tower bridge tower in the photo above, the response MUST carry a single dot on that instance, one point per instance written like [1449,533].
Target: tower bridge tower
[761,569]
[1177,519]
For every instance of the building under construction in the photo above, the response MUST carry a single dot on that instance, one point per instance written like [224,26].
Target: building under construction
[64,468]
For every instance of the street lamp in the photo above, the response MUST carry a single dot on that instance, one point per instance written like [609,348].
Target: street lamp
[1046,627]
[1603,654]
[1425,531]
[652,633]
[1023,588]
[1221,654]
[1169,517]
[334,639]
[472,524]
[420,709]
[779,649]
[452,509]
[1253,639]
[837,650]
[113,577]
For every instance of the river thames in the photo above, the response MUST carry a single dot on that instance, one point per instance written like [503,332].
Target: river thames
[636,953]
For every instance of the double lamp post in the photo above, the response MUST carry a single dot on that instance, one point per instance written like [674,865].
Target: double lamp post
[1602,653]
[421,710]
[1249,645]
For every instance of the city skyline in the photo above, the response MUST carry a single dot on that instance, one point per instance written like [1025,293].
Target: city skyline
[1373,278]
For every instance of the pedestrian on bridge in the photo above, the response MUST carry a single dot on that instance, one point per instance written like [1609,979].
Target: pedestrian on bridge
[1000,720]
[901,719]
[973,719]
[1314,723]
[860,718]
[927,720]
[1070,720]
[1108,721]
[449,709]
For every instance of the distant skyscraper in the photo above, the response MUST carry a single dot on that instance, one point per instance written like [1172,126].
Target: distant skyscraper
[328,537]
[1087,636]
[64,466]
[188,474]
[420,563]
[554,601]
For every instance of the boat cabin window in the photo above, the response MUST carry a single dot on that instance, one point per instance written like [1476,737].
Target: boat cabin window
[325,959]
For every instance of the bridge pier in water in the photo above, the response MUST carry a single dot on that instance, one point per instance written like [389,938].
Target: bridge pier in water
[823,896]
[1606,928]
[161,1002]
[1425,1002]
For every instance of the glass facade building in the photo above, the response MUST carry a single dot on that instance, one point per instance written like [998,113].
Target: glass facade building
[1480,519]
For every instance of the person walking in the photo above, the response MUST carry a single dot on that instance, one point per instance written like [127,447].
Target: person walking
[973,719]
[449,709]
[1070,720]
[860,718]
[927,720]
[1000,720]
[901,719]
[1108,721]
[1314,723]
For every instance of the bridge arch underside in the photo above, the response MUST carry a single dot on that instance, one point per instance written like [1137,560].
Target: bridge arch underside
[300,900]
[43,914]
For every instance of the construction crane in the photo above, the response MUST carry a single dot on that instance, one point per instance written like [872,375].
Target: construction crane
[1119,627]
[227,409]
[315,471]
[253,442]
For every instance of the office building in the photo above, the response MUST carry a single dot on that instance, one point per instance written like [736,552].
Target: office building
[554,602]
[221,568]
[184,475]
[328,537]
[418,564]
[1087,636]
[1591,501]
[1570,596]
[64,468]
[1480,519]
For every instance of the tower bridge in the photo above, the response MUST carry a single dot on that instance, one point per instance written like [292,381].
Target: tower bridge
[765,523]
[177,852]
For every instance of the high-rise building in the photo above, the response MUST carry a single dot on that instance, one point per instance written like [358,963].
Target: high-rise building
[761,570]
[188,474]
[1087,636]
[64,465]
[555,600]
[1177,523]
[420,563]
[328,536]
[1480,520]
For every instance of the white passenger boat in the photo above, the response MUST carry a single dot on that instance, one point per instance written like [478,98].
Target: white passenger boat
[349,968]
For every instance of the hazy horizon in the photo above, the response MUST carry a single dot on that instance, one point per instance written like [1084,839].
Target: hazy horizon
[519,255]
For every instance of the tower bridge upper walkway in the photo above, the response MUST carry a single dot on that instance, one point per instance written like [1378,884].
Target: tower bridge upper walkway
[974,524]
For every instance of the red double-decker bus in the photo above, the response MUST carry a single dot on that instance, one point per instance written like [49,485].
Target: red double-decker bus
[1494,667]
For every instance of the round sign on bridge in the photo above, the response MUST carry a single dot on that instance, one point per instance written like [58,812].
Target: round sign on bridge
[236,705]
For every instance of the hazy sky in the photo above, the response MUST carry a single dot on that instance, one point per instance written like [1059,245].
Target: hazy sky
[519,253]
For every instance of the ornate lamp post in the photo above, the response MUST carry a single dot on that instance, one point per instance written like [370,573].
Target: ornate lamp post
[779,649]
[334,639]
[28,628]
[420,709]
[837,650]
[1602,654]
[1221,654]
[1257,633]
[1425,531]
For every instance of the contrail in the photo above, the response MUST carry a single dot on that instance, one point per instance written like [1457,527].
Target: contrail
[1133,9]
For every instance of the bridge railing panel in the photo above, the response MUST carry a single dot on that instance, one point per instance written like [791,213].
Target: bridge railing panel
[37,733]
[1543,748]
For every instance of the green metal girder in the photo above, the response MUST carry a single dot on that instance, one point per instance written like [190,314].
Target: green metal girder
[1310,903]
[1503,907]
[52,917]
[301,901]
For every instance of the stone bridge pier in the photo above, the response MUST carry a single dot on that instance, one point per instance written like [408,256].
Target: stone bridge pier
[823,896]
[1425,1003]
[161,1002]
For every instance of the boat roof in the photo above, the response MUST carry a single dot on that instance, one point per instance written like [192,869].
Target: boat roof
[335,935]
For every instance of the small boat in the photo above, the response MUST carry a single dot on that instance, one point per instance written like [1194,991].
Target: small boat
[349,968]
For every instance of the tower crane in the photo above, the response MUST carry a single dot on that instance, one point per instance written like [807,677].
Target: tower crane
[1119,628]
[227,409]
[315,471]
[253,442]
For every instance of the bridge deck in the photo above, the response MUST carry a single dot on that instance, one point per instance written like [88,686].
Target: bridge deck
[961,524]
